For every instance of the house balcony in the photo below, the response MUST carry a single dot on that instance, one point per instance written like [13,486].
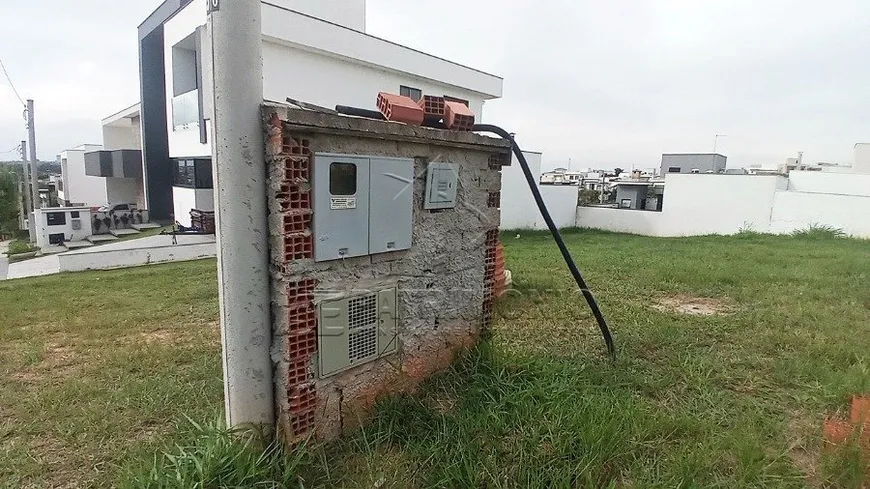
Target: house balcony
[120,163]
[185,111]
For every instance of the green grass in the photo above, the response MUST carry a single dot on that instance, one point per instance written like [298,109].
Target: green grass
[99,367]
[729,400]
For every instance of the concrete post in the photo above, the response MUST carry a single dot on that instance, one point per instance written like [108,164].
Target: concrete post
[25,190]
[240,205]
[34,175]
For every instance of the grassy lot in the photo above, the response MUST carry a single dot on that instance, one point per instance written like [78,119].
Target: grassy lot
[98,371]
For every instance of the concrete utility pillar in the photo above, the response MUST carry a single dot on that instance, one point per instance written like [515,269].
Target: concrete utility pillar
[240,205]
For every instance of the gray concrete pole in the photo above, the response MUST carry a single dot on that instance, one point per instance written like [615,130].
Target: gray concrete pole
[26,167]
[34,176]
[28,206]
[240,205]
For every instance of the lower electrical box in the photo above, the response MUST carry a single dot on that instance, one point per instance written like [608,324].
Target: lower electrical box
[355,330]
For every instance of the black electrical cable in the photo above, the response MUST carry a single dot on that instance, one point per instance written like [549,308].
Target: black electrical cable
[578,277]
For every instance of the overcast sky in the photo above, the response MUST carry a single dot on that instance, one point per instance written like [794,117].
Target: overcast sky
[604,83]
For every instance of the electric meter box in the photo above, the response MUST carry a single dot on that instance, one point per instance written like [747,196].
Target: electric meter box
[362,205]
[356,330]
[441,182]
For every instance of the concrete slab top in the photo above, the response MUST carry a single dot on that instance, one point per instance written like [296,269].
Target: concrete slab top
[314,121]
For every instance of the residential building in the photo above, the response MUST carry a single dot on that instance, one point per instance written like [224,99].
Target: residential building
[313,51]
[693,163]
[75,187]
[93,177]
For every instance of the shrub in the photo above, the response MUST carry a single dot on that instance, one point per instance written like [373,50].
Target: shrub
[17,247]
[819,231]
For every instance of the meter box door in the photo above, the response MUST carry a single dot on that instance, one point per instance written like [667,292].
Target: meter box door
[356,330]
[441,186]
[340,195]
[391,204]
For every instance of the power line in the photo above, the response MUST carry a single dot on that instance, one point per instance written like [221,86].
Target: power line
[13,150]
[10,82]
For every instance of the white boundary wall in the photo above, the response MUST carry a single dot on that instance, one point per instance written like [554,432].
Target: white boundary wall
[518,209]
[561,201]
[725,204]
[104,259]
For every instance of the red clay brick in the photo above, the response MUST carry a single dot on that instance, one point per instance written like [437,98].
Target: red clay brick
[298,372]
[302,405]
[302,343]
[293,197]
[458,117]
[301,319]
[297,169]
[296,222]
[298,247]
[296,146]
[432,105]
[398,108]
[494,199]
[301,294]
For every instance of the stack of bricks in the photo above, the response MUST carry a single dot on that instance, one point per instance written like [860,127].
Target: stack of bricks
[489,277]
[500,286]
[300,350]
[295,325]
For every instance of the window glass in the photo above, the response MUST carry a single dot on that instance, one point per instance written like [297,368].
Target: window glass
[415,93]
[55,218]
[674,169]
[203,174]
[342,179]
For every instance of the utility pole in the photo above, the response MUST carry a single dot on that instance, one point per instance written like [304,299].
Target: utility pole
[25,189]
[235,27]
[34,175]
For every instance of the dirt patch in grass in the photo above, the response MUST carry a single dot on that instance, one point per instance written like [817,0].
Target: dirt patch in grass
[163,336]
[59,360]
[694,306]
[188,333]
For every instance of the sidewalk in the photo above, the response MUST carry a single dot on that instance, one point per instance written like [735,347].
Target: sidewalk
[4,262]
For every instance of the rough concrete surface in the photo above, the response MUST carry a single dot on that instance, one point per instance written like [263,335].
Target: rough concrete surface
[440,279]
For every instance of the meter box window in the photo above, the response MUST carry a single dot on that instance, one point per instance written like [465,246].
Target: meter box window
[362,205]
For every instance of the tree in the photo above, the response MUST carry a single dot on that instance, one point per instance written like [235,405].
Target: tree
[8,201]
[617,171]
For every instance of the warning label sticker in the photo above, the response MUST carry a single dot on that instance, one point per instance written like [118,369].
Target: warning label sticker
[339,203]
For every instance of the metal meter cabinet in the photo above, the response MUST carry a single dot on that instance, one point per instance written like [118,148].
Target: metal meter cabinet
[441,186]
[362,205]
[355,330]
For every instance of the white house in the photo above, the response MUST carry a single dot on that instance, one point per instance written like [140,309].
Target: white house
[314,51]
[75,187]
[92,177]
